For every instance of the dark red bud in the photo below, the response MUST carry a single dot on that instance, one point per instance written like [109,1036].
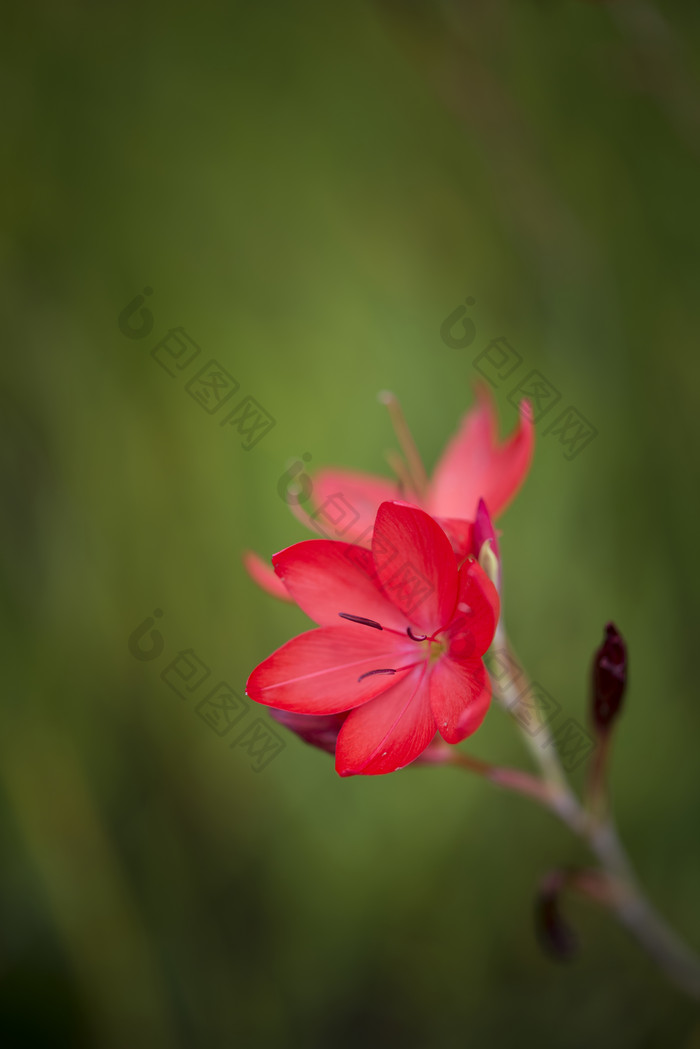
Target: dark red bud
[318,730]
[556,937]
[609,678]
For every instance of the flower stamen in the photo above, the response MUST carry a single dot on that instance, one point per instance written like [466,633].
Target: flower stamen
[416,470]
[361,620]
[416,637]
[369,673]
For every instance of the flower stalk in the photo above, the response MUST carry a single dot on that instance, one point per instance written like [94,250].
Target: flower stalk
[614,884]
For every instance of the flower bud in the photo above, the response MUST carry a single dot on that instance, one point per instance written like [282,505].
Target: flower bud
[609,679]
[485,544]
[489,562]
[483,530]
[555,936]
[318,730]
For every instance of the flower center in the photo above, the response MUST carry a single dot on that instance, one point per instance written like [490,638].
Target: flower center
[431,647]
[436,651]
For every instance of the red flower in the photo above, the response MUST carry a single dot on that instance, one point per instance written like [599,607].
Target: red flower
[402,629]
[475,466]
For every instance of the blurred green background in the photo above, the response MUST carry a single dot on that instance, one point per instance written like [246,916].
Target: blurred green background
[309,190]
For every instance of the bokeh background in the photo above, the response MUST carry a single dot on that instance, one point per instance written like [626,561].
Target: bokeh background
[310,190]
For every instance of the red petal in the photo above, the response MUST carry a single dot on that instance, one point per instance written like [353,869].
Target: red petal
[460,693]
[264,575]
[476,615]
[346,503]
[460,534]
[317,672]
[388,733]
[415,565]
[325,578]
[475,465]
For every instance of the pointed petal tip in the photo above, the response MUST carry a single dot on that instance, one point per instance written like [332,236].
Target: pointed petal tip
[484,529]
[265,576]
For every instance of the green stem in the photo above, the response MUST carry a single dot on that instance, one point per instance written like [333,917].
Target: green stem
[509,688]
[596,795]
